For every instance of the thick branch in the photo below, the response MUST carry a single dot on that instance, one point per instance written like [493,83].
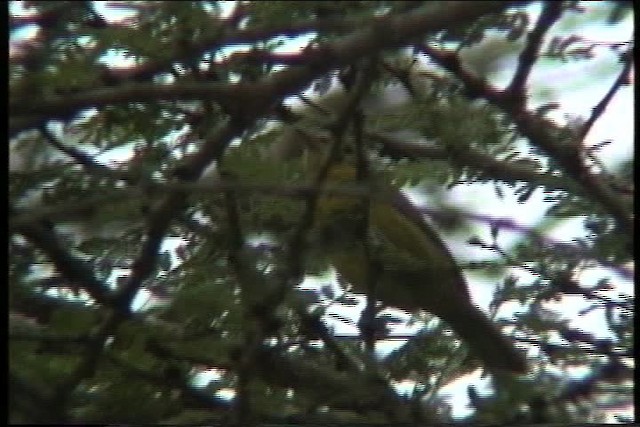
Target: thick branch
[70,267]
[252,100]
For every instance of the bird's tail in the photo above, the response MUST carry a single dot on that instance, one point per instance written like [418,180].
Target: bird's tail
[486,341]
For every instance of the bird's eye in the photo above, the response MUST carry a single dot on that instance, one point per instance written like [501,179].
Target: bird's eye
[348,150]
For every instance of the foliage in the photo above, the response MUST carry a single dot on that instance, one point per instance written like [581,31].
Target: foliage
[162,208]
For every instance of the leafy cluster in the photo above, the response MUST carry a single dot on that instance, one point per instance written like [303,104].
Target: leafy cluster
[157,239]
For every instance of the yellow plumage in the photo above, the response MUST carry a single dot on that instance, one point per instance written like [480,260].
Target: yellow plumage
[417,270]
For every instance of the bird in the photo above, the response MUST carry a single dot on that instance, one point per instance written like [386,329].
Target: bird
[414,268]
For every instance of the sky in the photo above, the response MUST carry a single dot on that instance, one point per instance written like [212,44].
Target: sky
[578,86]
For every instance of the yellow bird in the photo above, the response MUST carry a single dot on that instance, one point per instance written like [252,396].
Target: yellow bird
[417,271]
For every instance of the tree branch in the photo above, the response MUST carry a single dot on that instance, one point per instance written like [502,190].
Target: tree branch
[72,268]
[251,100]
[543,134]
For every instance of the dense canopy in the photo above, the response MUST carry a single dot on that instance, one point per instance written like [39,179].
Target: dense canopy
[167,174]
